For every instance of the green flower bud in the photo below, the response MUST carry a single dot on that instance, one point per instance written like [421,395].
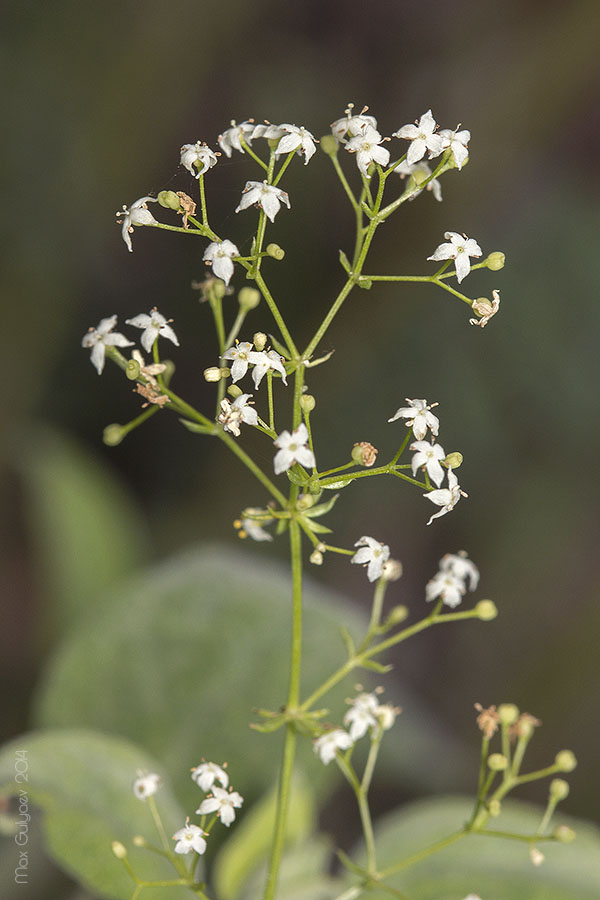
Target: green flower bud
[248,298]
[212,374]
[225,372]
[113,435]
[132,369]
[397,615]
[169,200]
[316,558]
[329,145]
[559,789]
[118,849]
[565,760]
[275,251]
[392,570]
[494,808]
[305,501]
[454,460]
[218,288]
[486,610]
[307,403]
[564,834]
[497,762]
[315,488]
[259,340]
[234,391]
[508,713]
[495,261]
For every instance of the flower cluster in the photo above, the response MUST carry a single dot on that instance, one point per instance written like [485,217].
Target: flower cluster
[153,325]
[365,714]
[243,356]
[456,573]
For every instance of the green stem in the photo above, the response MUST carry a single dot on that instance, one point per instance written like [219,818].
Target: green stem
[345,185]
[260,283]
[203,201]
[288,160]
[423,854]
[251,465]
[363,808]
[235,328]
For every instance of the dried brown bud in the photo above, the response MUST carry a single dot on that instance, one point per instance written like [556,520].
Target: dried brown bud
[364,454]
[487,720]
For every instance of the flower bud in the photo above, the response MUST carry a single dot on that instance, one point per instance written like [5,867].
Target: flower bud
[396,615]
[234,391]
[307,403]
[139,840]
[213,373]
[132,369]
[392,570]
[386,714]
[559,789]
[364,454]
[169,200]
[248,298]
[495,261]
[454,460]
[494,808]
[118,849]
[305,501]
[217,288]
[508,713]
[564,834]
[536,856]
[275,251]
[565,760]
[486,610]
[497,762]
[259,340]
[329,145]
[113,435]
[316,558]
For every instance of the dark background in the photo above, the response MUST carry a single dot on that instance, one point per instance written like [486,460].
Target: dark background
[101,97]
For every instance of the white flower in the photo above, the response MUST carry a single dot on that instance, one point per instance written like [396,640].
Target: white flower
[386,715]
[155,325]
[145,786]
[486,309]
[447,498]
[295,138]
[197,158]
[254,530]
[220,256]
[459,248]
[371,554]
[189,838]
[207,773]
[457,142]
[419,415]
[268,131]
[420,172]
[351,125]
[536,856]
[428,456]
[137,214]
[447,586]
[231,139]
[222,802]
[268,197]
[232,414]
[328,744]
[461,567]
[291,448]
[269,360]
[362,715]
[365,145]
[422,137]
[242,355]
[101,337]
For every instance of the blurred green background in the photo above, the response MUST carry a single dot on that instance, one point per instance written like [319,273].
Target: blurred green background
[100,98]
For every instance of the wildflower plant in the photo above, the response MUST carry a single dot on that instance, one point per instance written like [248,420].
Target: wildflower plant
[300,488]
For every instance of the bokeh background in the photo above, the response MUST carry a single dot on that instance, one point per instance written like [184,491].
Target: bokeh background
[100,98]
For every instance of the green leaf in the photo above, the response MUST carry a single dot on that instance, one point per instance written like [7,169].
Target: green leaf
[298,476]
[322,508]
[302,875]
[490,867]
[317,527]
[345,262]
[82,781]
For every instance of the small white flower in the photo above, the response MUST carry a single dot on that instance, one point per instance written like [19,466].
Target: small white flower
[231,139]
[419,415]
[220,256]
[420,172]
[536,856]
[145,786]
[137,214]
[295,138]
[207,773]
[461,567]
[422,137]
[101,337]
[428,456]
[268,131]
[222,802]
[155,325]
[447,498]
[386,714]
[232,414]
[189,839]
[457,142]
[362,715]
[254,530]
[486,309]
[371,554]
[447,586]
[329,743]
[291,448]
[459,248]
[242,355]
[351,124]
[269,360]
[197,158]
[268,197]
[367,149]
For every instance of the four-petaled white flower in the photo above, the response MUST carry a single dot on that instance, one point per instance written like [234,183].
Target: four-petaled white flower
[231,139]
[372,554]
[420,172]
[268,197]
[101,337]
[220,256]
[145,786]
[197,158]
[233,414]
[351,124]
[254,530]
[486,309]
[419,415]
[457,142]
[269,360]
[461,567]
[291,448]
[428,456]
[222,802]
[329,743]
[459,248]
[242,355]
[362,715]
[155,325]
[296,138]
[189,839]
[137,214]
[207,773]
[447,498]
[367,149]
[447,586]
[422,137]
